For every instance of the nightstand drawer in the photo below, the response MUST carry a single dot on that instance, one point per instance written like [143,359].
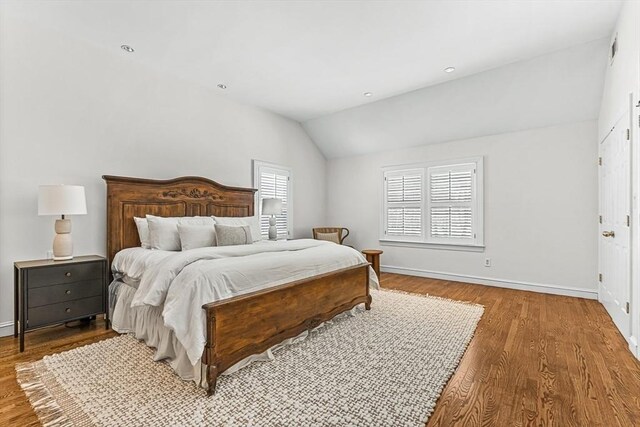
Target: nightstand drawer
[64,274]
[54,294]
[63,311]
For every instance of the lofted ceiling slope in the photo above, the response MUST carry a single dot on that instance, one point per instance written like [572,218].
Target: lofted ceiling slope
[562,87]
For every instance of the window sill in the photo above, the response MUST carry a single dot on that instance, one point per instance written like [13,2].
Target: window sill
[439,246]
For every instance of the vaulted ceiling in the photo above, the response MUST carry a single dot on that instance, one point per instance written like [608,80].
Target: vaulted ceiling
[309,60]
[553,89]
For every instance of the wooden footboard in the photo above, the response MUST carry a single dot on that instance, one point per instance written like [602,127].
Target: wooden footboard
[249,324]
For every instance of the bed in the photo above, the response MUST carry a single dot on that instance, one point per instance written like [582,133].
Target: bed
[245,324]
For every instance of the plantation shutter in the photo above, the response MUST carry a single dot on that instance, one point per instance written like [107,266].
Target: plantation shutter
[452,204]
[274,183]
[403,203]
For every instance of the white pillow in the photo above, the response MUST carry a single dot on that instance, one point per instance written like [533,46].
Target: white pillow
[196,236]
[252,221]
[143,231]
[163,231]
[196,220]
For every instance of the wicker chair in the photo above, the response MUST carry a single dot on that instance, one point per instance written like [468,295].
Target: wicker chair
[320,233]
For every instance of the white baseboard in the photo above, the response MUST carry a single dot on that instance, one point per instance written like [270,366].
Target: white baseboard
[500,283]
[633,346]
[6,328]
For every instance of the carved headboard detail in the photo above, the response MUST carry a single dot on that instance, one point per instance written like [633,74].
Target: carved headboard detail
[185,196]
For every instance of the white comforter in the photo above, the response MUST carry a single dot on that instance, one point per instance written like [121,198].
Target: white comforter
[182,282]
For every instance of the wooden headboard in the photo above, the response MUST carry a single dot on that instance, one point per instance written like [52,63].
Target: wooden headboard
[185,196]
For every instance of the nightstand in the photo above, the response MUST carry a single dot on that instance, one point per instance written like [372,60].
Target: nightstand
[48,292]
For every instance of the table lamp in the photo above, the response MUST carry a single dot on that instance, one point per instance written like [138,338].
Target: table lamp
[62,200]
[272,207]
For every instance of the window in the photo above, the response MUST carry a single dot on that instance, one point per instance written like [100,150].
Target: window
[451,202]
[273,181]
[403,190]
[434,203]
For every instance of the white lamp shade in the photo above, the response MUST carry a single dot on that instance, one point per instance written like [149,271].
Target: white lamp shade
[271,206]
[61,200]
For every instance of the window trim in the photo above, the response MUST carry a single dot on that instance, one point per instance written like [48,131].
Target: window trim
[424,240]
[258,165]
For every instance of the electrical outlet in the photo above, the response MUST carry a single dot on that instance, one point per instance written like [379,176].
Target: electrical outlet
[487,262]
[50,254]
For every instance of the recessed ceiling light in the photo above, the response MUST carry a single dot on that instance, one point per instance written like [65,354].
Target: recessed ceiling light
[127,48]
[222,86]
[449,69]
[368,94]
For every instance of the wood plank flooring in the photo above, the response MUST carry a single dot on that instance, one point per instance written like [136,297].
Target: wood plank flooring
[535,360]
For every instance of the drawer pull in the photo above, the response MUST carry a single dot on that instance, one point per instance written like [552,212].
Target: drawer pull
[68,310]
[68,292]
[68,274]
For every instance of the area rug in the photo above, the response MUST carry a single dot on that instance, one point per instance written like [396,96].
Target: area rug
[383,367]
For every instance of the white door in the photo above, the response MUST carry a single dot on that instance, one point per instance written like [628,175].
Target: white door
[615,236]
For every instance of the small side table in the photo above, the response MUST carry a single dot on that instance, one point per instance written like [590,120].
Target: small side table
[373,256]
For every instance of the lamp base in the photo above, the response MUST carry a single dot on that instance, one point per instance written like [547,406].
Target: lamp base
[62,243]
[273,231]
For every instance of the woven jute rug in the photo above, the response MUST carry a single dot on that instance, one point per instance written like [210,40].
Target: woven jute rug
[384,367]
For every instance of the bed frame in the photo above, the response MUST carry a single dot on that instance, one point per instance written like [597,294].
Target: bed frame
[247,324]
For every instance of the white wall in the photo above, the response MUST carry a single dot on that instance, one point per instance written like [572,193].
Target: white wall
[71,112]
[620,97]
[540,208]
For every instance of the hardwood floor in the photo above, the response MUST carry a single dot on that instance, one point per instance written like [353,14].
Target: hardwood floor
[535,359]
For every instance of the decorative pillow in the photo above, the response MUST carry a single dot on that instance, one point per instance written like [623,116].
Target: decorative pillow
[330,237]
[252,221]
[163,231]
[143,231]
[196,236]
[227,235]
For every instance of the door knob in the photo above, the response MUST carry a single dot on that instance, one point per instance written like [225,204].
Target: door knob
[608,234]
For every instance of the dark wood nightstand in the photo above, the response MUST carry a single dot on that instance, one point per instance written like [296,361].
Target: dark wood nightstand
[48,292]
